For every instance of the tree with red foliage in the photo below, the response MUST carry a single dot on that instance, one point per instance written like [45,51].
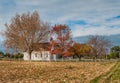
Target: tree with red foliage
[62,40]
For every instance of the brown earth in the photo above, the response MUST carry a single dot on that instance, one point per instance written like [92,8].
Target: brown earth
[51,72]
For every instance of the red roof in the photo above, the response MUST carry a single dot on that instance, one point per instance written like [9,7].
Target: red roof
[41,46]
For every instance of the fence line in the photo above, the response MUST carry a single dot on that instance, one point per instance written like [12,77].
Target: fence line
[65,60]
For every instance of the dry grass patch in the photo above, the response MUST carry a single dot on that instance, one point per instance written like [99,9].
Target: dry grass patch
[112,76]
[49,72]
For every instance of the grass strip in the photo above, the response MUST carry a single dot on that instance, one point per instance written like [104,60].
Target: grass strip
[106,76]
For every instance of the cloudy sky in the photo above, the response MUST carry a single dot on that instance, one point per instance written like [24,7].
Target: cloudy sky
[84,17]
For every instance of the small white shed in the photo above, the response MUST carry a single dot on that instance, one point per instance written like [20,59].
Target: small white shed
[40,56]
[41,52]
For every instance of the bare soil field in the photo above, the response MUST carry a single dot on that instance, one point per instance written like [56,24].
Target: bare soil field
[51,72]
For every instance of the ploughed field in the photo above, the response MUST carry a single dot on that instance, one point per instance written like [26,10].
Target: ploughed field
[53,72]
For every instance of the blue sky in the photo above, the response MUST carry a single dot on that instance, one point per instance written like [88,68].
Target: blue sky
[84,17]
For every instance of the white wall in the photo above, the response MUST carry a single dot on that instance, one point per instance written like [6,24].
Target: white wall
[26,56]
[40,55]
[43,55]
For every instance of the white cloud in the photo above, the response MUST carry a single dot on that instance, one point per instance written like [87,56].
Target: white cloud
[102,30]
[94,12]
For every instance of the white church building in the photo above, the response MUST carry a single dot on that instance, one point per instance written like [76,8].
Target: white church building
[40,53]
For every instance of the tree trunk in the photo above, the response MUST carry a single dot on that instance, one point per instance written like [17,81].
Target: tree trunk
[29,53]
[79,57]
[95,58]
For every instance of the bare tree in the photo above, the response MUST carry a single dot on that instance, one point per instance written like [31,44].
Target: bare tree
[99,45]
[24,31]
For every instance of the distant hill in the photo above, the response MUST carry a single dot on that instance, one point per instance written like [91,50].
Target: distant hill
[115,39]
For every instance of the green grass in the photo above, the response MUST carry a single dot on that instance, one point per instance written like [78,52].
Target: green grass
[112,76]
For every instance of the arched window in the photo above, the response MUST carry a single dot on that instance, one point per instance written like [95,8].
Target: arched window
[40,54]
[46,55]
[35,54]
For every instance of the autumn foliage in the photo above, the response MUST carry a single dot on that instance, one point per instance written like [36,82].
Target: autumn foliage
[62,40]
[27,31]
[80,50]
[24,31]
